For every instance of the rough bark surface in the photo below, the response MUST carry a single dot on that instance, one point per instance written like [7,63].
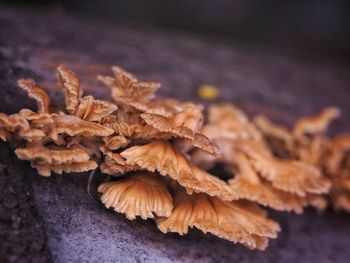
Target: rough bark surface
[22,234]
[281,83]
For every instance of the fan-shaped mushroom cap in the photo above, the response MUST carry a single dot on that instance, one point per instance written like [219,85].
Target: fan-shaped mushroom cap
[337,150]
[340,191]
[76,167]
[169,126]
[266,195]
[33,135]
[126,85]
[137,131]
[226,121]
[287,175]
[313,151]
[115,142]
[315,124]
[70,84]
[161,156]
[36,120]
[90,109]
[248,185]
[36,92]
[278,136]
[154,107]
[13,122]
[141,194]
[233,221]
[188,115]
[267,127]
[73,126]
[114,164]
[337,164]
[59,155]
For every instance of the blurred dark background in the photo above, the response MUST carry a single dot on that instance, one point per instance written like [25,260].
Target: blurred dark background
[317,26]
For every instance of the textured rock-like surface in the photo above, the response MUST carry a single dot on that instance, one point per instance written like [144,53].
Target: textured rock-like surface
[260,79]
[22,233]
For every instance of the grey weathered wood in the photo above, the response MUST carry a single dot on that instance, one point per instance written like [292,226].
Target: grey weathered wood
[281,83]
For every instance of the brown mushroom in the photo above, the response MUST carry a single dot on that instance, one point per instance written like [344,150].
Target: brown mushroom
[233,221]
[140,194]
[162,157]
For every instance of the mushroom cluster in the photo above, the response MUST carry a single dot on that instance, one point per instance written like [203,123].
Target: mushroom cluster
[308,142]
[165,161]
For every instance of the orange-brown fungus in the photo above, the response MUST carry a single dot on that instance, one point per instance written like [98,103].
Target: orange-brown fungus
[140,194]
[159,157]
[234,221]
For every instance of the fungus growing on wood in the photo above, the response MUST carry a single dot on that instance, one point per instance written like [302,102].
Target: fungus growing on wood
[140,194]
[159,157]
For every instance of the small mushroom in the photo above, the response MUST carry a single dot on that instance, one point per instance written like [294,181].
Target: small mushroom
[234,221]
[140,194]
[162,157]
[36,92]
